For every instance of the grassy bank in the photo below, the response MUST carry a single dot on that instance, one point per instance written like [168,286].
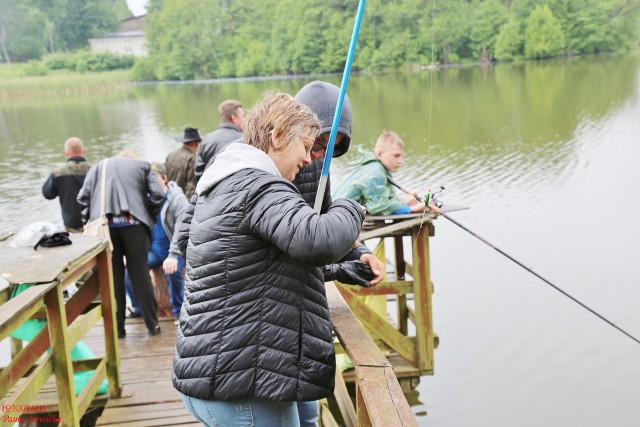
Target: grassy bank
[14,83]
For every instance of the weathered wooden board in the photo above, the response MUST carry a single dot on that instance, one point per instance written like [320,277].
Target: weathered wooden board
[146,364]
[25,265]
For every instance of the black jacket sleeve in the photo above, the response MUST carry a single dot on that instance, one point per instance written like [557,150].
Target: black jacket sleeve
[277,213]
[182,227]
[50,189]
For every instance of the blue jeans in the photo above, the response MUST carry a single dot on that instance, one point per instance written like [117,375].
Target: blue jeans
[309,412]
[175,282]
[176,286]
[245,412]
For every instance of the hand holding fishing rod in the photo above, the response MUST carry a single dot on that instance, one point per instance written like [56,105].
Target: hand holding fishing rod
[428,201]
[397,184]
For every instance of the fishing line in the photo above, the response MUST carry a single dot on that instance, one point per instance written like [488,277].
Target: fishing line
[432,70]
[529,269]
[433,42]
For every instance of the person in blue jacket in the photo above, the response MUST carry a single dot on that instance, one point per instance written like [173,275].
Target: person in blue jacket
[164,247]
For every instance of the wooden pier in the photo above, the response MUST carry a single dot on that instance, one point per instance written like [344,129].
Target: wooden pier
[149,398]
[138,367]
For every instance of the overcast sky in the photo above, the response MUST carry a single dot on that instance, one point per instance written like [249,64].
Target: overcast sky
[137,6]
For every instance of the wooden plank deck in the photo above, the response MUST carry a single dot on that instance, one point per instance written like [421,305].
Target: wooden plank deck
[146,378]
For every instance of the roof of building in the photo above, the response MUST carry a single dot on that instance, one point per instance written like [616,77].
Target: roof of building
[120,34]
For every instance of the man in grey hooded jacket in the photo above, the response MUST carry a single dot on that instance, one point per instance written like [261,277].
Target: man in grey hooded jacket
[321,97]
[133,197]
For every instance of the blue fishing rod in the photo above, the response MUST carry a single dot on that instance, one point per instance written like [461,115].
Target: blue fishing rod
[491,245]
[326,165]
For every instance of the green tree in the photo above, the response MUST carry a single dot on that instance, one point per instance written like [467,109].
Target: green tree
[543,34]
[80,20]
[452,27]
[624,21]
[121,10]
[185,37]
[22,34]
[585,24]
[488,17]
[509,43]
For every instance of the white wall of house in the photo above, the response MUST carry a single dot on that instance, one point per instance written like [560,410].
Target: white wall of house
[131,45]
[129,40]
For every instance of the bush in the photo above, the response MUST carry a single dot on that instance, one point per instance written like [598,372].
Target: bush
[509,43]
[543,35]
[58,61]
[84,61]
[36,68]
[144,69]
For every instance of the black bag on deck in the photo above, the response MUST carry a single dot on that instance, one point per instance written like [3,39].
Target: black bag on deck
[57,239]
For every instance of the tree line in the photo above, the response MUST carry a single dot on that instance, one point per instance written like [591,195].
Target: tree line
[30,29]
[199,39]
[195,39]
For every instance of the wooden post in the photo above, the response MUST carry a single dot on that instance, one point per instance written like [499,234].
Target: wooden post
[422,297]
[403,313]
[364,419]
[161,290]
[63,368]
[343,400]
[105,280]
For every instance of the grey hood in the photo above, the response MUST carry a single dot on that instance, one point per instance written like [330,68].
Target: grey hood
[321,98]
[234,158]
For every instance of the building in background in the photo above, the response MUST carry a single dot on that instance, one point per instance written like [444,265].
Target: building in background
[129,40]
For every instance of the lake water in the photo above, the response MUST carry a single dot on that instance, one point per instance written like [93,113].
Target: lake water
[546,155]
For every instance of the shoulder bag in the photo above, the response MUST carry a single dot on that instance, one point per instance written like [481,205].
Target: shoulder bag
[100,227]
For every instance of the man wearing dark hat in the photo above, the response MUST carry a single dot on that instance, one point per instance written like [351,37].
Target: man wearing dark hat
[180,163]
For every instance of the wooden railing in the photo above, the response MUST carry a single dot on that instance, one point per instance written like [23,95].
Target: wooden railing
[380,401]
[417,349]
[23,379]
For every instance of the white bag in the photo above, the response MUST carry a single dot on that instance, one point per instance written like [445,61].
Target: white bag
[100,227]
[30,235]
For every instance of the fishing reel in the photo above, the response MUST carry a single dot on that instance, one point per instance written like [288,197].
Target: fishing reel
[437,202]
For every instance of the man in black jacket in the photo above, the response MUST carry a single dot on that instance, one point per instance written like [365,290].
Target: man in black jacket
[230,130]
[65,182]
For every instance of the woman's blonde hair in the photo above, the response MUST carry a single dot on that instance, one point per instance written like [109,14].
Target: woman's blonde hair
[277,114]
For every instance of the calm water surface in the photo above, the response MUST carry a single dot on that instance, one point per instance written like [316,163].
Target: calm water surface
[545,154]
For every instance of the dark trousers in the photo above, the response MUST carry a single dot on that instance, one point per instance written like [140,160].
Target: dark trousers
[133,243]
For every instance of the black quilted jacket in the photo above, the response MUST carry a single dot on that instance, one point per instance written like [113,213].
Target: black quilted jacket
[255,320]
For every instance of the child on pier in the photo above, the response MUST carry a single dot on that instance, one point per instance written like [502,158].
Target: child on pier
[368,184]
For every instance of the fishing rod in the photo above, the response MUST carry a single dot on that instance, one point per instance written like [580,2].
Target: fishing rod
[529,269]
[324,175]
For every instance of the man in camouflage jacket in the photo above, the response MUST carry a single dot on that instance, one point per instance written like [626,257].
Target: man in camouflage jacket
[180,163]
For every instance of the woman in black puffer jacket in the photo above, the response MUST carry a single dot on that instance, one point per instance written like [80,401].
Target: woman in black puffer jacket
[254,334]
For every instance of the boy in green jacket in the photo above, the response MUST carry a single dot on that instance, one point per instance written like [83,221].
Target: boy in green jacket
[368,184]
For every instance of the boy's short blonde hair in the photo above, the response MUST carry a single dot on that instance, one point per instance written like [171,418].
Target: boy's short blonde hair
[388,139]
[280,116]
